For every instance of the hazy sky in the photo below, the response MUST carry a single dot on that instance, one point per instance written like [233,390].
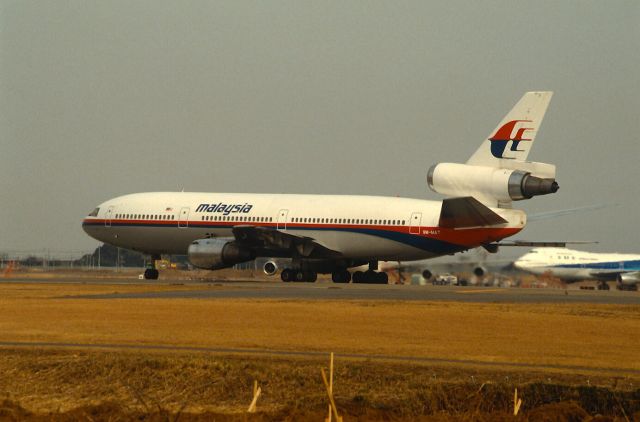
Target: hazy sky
[99,99]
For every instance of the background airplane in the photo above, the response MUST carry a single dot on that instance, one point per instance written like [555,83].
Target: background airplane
[571,265]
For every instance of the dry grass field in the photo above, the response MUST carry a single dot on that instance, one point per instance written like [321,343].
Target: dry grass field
[565,345]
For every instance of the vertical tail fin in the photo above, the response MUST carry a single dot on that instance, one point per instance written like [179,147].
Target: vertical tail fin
[514,136]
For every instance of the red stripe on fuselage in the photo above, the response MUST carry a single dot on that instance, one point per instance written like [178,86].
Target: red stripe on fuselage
[469,238]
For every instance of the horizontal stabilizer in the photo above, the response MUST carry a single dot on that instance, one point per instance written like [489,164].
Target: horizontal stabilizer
[467,212]
[534,244]
[560,213]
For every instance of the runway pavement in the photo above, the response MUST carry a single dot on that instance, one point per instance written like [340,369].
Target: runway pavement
[324,290]
[358,292]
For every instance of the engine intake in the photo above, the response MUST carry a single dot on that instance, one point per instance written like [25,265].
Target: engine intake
[488,183]
[215,254]
[270,268]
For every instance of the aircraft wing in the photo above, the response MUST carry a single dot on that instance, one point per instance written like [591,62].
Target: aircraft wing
[270,242]
[493,247]
[606,274]
[613,273]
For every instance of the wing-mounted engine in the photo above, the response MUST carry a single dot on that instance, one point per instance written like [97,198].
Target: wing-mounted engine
[270,267]
[491,185]
[217,253]
[628,281]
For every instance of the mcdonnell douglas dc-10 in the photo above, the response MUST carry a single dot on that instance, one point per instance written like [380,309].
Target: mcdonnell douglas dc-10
[330,234]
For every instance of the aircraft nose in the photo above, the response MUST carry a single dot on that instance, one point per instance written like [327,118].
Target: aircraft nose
[88,227]
[89,223]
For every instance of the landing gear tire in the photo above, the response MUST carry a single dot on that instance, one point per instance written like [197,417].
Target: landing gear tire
[370,277]
[311,277]
[382,278]
[151,274]
[603,285]
[286,275]
[341,276]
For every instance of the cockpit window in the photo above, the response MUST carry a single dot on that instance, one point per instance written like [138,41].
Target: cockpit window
[94,213]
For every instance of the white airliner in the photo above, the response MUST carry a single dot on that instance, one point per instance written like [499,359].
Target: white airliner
[571,265]
[332,233]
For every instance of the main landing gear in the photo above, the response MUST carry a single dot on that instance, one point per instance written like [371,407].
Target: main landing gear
[342,276]
[371,276]
[151,273]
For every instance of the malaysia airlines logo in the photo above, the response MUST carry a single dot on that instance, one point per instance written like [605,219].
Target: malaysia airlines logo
[505,134]
[225,209]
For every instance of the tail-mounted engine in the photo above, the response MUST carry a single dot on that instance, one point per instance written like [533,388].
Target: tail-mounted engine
[493,185]
[217,253]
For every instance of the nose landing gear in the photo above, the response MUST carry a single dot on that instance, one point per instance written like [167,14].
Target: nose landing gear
[151,272]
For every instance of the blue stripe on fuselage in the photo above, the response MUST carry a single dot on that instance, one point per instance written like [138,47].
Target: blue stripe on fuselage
[631,265]
[424,243]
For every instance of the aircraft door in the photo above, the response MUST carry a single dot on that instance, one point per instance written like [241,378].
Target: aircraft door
[282,219]
[414,223]
[108,216]
[183,218]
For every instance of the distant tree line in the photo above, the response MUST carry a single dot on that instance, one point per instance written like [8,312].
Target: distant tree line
[104,256]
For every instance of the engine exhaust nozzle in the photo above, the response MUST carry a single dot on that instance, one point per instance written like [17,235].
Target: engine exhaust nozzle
[535,186]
